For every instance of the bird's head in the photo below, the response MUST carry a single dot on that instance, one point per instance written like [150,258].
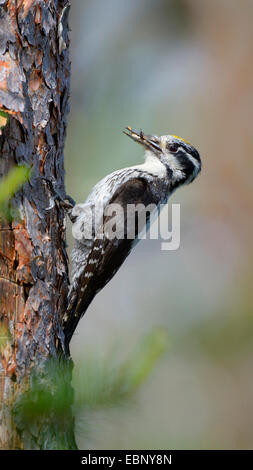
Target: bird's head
[180,158]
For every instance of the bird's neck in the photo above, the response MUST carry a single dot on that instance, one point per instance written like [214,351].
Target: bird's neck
[153,165]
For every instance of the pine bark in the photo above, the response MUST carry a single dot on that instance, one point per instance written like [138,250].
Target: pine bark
[34,91]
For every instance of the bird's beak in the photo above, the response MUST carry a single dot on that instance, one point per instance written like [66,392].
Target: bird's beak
[148,141]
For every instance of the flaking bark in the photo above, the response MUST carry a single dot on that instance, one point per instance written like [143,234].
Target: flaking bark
[34,91]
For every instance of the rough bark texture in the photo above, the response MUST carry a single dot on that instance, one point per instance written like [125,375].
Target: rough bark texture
[34,91]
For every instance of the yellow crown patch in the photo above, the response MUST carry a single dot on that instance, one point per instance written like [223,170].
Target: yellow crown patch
[180,138]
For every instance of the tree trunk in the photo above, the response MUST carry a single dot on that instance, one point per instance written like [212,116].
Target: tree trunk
[34,91]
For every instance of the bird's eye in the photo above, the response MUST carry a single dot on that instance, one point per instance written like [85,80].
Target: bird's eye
[173,147]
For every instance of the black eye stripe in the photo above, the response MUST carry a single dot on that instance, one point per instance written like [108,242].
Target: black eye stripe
[187,165]
[191,150]
[195,154]
[174,146]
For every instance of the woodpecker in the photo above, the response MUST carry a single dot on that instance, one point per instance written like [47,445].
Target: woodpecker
[170,162]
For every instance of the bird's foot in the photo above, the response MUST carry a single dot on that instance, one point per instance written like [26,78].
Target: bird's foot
[66,203]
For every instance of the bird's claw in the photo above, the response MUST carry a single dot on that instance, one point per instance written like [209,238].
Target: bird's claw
[67,203]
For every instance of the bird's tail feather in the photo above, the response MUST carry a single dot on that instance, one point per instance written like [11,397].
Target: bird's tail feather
[73,315]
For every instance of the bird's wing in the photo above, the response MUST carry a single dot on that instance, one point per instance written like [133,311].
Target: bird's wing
[106,255]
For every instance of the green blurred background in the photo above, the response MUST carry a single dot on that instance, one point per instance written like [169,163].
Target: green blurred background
[182,67]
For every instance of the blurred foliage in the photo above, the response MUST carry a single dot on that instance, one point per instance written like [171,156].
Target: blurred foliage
[102,382]
[3,120]
[46,400]
[48,389]
[9,184]
[98,383]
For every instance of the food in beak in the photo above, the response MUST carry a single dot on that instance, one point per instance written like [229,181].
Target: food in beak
[147,141]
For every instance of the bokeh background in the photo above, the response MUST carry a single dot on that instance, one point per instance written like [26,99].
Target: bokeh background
[182,67]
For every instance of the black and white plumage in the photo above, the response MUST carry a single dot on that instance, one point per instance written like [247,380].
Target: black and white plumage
[169,163]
